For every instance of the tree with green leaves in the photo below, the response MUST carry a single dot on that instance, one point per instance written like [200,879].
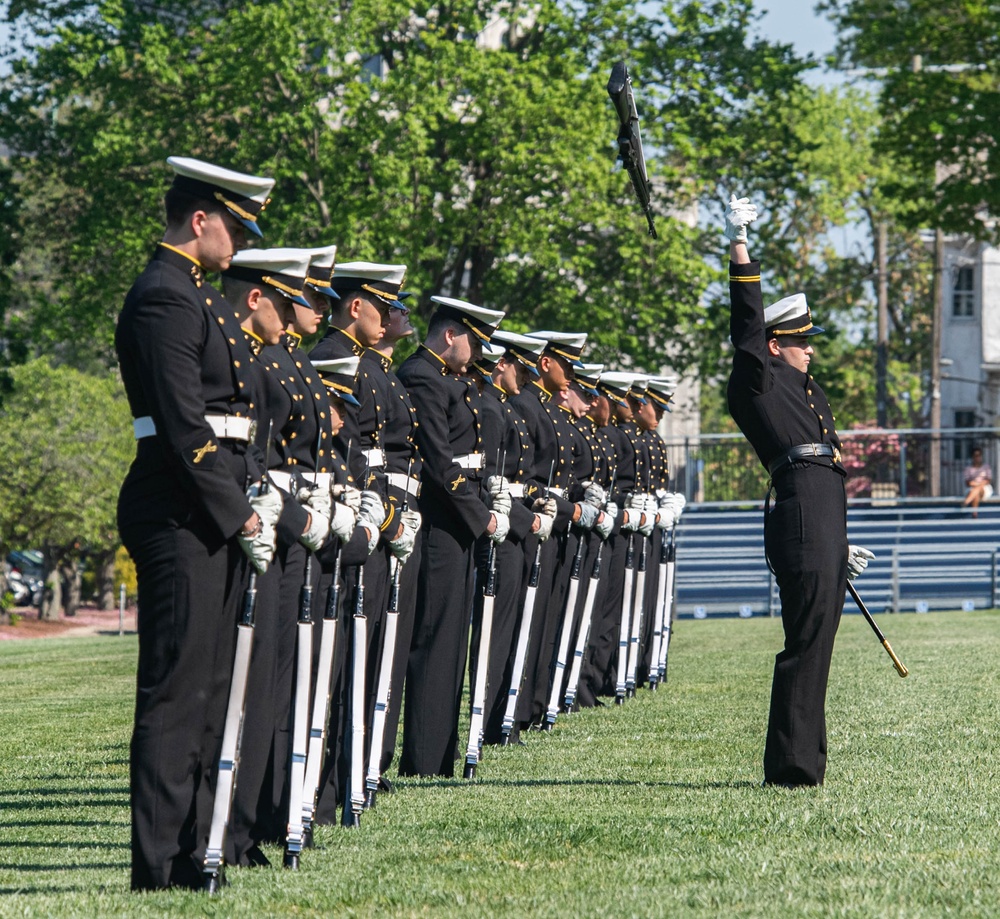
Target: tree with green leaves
[66,441]
[474,142]
[938,65]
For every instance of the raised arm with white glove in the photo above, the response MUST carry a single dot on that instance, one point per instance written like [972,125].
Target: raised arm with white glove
[739,215]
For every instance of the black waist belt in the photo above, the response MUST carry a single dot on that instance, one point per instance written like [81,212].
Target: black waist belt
[800,452]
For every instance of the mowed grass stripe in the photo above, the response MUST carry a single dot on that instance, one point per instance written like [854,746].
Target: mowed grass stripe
[653,809]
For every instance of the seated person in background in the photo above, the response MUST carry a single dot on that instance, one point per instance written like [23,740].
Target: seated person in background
[978,478]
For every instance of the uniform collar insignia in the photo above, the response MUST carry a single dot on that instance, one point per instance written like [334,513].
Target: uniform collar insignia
[543,394]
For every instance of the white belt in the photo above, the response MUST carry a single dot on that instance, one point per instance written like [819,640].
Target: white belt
[406,483]
[225,427]
[558,492]
[517,489]
[374,457]
[471,461]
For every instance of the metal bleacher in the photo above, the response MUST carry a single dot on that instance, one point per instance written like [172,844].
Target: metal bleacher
[930,555]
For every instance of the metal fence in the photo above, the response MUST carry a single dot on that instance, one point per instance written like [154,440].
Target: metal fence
[882,465]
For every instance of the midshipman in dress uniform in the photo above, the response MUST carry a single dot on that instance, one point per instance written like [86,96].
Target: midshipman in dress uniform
[183,513]
[454,514]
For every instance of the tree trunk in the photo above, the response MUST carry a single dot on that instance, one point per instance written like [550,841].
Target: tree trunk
[105,565]
[51,605]
[72,577]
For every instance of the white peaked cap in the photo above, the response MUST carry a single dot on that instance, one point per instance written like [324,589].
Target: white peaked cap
[481,321]
[283,269]
[515,342]
[790,316]
[384,281]
[568,345]
[244,195]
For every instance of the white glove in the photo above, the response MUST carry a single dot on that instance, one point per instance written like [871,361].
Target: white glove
[260,548]
[646,524]
[633,514]
[320,507]
[588,516]
[268,506]
[544,526]
[857,560]
[547,506]
[500,503]
[371,517]
[679,501]
[503,528]
[605,526]
[402,546]
[349,495]
[740,213]
[594,495]
[343,522]
[497,485]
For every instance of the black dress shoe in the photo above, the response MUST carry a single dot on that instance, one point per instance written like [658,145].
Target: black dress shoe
[385,785]
[254,858]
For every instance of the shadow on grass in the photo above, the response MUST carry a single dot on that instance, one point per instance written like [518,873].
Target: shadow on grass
[89,866]
[57,822]
[62,845]
[68,790]
[27,891]
[78,803]
[557,783]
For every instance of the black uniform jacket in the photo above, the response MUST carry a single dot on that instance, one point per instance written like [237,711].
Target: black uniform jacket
[447,407]
[776,406]
[183,355]
[506,435]
[551,433]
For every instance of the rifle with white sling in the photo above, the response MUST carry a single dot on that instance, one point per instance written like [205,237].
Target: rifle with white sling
[232,734]
[586,617]
[384,688]
[524,633]
[323,695]
[295,834]
[474,746]
[565,635]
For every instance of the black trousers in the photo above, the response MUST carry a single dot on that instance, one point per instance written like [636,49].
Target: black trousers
[551,594]
[436,668]
[806,541]
[190,589]
[650,611]
[601,663]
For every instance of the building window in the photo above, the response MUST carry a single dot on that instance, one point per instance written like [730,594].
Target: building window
[964,418]
[963,294]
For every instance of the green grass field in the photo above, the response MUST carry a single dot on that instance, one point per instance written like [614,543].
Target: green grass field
[654,809]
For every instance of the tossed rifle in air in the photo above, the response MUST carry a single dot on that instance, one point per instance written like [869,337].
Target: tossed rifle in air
[896,662]
[355,803]
[630,153]
[586,617]
[295,834]
[384,688]
[524,633]
[565,635]
[232,734]
[323,695]
[479,685]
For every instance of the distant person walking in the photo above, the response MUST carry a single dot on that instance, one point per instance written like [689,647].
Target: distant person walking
[979,480]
